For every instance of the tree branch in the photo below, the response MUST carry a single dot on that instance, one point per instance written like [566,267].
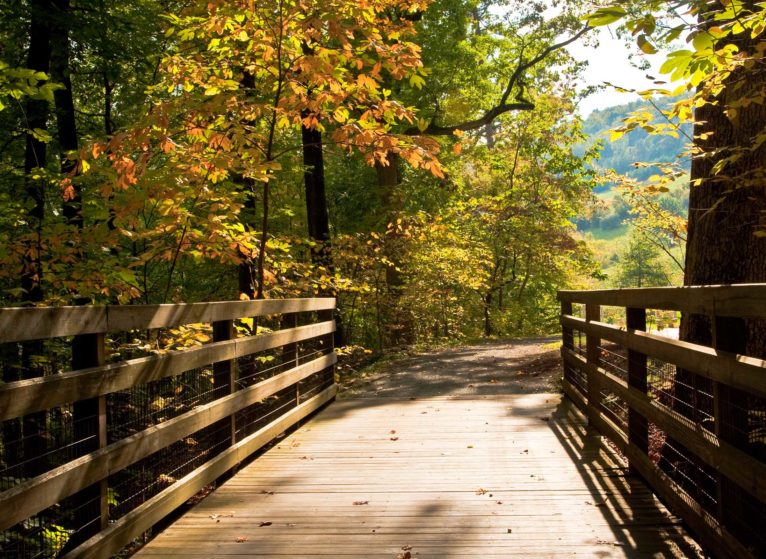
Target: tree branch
[503,106]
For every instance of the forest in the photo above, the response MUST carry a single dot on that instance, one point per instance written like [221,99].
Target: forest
[423,161]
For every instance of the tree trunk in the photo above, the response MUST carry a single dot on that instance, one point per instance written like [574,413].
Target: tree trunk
[317,217]
[65,117]
[725,210]
[35,159]
[398,320]
[488,330]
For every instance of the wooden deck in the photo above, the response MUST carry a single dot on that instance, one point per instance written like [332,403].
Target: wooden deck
[500,476]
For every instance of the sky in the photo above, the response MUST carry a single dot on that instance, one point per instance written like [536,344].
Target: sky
[609,63]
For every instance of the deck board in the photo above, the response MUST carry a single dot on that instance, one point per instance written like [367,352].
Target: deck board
[495,476]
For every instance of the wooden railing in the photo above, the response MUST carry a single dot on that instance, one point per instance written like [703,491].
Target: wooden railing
[690,419]
[94,457]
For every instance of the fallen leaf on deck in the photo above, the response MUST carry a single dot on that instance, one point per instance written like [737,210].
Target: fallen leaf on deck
[405,555]
[262,524]
[357,503]
[406,547]
[510,530]
[470,446]
[240,539]
[394,438]
[481,491]
[392,431]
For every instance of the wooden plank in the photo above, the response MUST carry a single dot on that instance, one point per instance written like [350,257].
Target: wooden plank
[748,472]
[744,300]
[32,496]
[20,324]
[506,479]
[713,537]
[110,541]
[22,397]
[25,323]
[739,371]
[133,317]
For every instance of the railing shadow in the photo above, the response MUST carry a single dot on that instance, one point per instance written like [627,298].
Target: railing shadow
[623,499]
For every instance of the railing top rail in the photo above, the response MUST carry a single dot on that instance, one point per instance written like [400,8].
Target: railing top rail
[742,300]
[19,324]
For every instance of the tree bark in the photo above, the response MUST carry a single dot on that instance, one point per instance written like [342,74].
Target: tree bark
[35,159]
[65,116]
[400,324]
[317,216]
[725,211]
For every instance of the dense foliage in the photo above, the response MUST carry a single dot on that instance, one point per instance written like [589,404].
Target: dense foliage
[416,159]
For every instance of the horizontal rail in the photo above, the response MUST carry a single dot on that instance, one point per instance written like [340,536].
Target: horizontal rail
[81,486]
[746,471]
[723,446]
[108,542]
[743,300]
[37,494]
[739,371]
[31,323]
[28,396]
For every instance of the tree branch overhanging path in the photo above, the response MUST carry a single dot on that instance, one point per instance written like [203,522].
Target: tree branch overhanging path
[502,106]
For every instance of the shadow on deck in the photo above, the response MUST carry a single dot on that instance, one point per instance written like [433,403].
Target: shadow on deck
[441,477]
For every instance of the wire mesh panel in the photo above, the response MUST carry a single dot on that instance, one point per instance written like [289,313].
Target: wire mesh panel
[184,399]
[692,415]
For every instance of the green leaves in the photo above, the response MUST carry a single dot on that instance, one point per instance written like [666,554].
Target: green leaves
[605,16]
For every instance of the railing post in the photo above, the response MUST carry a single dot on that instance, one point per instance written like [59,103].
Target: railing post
[290,351]
[730,416]
[328,341]
[638,427]
[225,372]
[567,337]
[593,355]
[89,417]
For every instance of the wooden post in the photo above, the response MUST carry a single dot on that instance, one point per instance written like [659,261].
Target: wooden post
[593,355]
[730,416]
[290,351]
[638,427]
[328,341]
[225,372]
[89,416]
[567,337]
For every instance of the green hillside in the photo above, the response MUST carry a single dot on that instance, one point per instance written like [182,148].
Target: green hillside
[607,228]
[638,146]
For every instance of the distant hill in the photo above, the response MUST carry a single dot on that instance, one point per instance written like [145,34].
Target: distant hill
[638,146]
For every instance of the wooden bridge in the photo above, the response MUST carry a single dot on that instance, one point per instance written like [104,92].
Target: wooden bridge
[214,426]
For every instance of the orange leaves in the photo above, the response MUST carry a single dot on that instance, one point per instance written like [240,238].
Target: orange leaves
[126,172]
[67,189]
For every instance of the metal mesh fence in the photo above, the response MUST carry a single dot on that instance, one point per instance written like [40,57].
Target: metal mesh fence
[38,442]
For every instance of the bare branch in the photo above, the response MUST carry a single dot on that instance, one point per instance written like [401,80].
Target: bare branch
[503,106]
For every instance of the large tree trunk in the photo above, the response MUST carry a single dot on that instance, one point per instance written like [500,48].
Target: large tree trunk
[35,159]
[317,217]
[725,211]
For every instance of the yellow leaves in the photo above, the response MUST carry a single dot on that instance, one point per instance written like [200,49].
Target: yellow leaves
[341,114]
[645,45]
[366,82]
[417,82]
